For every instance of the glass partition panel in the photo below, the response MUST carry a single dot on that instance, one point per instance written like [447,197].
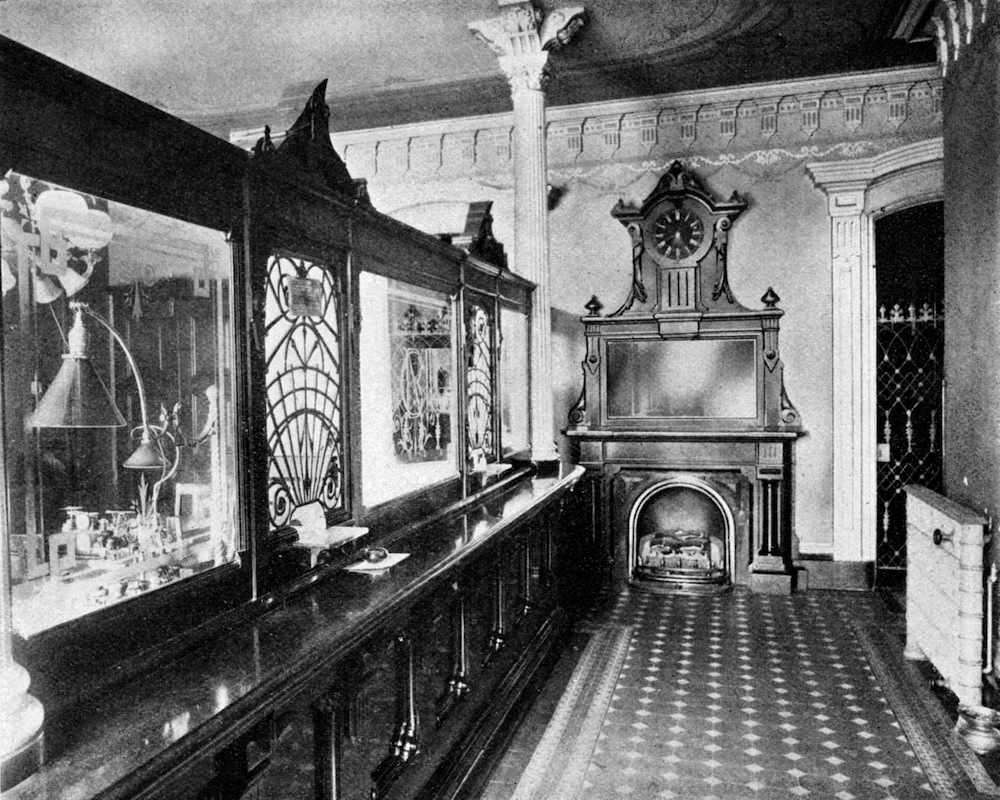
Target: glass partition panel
[409,403]
[479,373]
[703,378]
[515,385]
[119,434]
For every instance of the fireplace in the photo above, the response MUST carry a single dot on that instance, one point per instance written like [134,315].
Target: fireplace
[680,534]
[684,423]
[679,529]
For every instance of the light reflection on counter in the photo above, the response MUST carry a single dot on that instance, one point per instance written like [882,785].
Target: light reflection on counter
[221,698]
[177,727]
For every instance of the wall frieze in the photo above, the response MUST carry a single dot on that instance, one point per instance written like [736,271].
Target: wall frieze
[765,126]
[605,177]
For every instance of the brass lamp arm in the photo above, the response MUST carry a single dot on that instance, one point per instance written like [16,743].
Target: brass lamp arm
[143,411]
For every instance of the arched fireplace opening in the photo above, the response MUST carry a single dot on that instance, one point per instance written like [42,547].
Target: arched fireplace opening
[681,537]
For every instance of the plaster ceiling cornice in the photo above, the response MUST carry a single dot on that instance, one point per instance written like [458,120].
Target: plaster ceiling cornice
[242,63]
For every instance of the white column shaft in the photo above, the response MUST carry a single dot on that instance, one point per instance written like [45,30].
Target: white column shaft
[531,248]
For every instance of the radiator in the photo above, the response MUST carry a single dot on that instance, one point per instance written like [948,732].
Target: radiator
[944,590]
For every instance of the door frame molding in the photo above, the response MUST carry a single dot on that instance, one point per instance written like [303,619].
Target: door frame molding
[859,191]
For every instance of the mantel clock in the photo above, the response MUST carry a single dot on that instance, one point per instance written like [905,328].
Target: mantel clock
[674,232]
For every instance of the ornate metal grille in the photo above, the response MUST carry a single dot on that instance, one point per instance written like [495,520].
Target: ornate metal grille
[479,382]
[421,355]
[910,374]
[303,358]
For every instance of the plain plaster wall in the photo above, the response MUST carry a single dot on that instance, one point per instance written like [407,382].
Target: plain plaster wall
[972,275]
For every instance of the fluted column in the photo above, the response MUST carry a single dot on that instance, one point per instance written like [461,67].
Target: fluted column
[522,39]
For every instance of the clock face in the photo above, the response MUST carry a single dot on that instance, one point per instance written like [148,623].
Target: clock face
[678,232]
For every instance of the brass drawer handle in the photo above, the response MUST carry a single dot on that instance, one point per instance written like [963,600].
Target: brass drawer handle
[939,536]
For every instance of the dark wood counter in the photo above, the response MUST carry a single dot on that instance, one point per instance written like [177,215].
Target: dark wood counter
[179,729]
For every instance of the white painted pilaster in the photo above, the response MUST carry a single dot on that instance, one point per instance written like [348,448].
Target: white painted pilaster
[858,191]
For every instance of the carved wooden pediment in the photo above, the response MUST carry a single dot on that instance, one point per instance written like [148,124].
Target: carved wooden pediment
[307,152]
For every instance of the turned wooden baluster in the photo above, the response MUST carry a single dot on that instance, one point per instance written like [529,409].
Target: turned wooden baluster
[546,573]
[328,733]
[405,744]
[526,603]
[498,633]
[458,685]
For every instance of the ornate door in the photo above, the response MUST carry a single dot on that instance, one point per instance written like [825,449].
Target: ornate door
[909,371]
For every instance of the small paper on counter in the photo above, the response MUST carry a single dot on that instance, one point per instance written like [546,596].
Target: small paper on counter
[377,566]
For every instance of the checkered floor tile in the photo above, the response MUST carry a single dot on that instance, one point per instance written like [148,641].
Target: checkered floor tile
[748,696]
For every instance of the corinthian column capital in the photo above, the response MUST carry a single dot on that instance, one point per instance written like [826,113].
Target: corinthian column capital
[526,72]
[522,37]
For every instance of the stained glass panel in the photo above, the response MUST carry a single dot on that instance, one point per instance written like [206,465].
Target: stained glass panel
[409,405]
[305,407]
[480,444]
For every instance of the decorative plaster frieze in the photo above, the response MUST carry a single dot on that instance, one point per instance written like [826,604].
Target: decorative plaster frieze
[687,124]
[667,117]
[687,119]
[746,109]
[768,111]
[426,154]
[459,150]
[602,137]
[494,146]
[565,140]
[809,107]
[727,122]
[612,177]
[854,108]
[639,132]
[898,98]
[392,157]
[876,96]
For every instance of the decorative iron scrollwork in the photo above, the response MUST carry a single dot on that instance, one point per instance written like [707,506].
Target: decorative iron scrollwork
[479,382]
[305,406]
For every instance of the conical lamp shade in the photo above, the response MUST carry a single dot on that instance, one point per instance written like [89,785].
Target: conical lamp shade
[146,456]
[76,399]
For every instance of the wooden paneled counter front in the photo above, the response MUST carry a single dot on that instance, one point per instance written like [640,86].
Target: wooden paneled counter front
[389,683]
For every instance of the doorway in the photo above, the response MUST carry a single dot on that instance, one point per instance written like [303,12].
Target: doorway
[909,289]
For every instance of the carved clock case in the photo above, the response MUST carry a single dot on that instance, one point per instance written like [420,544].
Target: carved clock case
[683,423]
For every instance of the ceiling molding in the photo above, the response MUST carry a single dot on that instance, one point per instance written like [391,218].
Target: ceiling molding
[652,103]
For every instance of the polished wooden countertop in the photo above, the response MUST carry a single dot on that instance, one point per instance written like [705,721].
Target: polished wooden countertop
[143,732]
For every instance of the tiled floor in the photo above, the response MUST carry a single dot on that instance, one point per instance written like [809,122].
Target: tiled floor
[735,696]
